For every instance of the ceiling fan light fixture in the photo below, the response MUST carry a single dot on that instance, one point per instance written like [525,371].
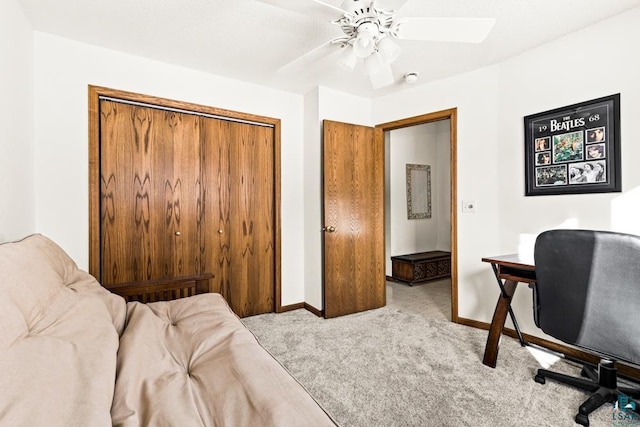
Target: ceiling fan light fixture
[364,45]
[382,78]
[388,49]
[374,63]
[348,58]
[370,34]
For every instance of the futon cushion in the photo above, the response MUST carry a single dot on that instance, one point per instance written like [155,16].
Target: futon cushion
[58,340]
[191,362]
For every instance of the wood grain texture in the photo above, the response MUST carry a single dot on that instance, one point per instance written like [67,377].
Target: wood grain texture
[151,193]
[180,105]
[160,191]
[162,290]
[497,323]
[240,213]
[353,186]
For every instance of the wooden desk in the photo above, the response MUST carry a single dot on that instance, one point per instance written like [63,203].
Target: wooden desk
[509,270]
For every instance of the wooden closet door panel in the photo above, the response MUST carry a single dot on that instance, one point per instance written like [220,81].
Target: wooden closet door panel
[238,180]
[179,187]
[215,219]
[150,184]
[252,217]
[127,192]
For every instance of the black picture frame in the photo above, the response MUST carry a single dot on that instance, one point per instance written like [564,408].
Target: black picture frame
[574,149]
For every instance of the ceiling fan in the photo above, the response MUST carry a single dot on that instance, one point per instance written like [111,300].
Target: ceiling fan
[369,34]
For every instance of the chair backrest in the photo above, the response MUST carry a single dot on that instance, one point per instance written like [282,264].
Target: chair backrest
[588,290]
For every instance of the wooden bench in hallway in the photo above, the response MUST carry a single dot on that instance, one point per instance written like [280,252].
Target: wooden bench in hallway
[421,267]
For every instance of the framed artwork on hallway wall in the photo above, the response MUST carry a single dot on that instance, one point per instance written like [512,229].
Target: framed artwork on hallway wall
[574,149]
[418,191]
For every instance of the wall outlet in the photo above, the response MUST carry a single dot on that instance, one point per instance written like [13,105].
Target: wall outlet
[469,206]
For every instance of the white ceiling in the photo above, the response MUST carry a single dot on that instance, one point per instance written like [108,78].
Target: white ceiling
[249,40]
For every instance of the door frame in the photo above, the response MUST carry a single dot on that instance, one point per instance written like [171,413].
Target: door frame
[96,93]
[452,115]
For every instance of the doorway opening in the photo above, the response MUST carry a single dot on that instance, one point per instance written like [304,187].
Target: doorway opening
[429,138]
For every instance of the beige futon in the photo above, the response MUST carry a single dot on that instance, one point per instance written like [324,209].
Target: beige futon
[73,354]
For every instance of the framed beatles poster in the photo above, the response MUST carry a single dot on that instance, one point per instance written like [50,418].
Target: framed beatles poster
[574,149]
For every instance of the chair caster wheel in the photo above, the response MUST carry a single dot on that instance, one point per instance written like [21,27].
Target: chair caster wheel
[582,419]
[539,379]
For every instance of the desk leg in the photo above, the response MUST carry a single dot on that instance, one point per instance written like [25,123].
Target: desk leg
[497,323]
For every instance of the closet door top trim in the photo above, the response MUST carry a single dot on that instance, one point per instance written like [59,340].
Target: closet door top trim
[183,111]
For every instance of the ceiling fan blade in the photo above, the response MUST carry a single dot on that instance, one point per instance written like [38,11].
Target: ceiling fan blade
[308,7]
[309,58]
[382,78]
[466,30]
[394,5]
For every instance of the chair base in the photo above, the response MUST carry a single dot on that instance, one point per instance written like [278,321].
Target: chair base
[601,383]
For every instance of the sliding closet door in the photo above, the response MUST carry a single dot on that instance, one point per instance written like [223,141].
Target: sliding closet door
[150,193]
[238,165]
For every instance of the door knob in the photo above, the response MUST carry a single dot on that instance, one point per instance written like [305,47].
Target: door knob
[178,233]
[220,231]
[329,229]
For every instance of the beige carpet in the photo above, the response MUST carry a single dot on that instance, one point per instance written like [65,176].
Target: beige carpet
[431,300]
[394,367]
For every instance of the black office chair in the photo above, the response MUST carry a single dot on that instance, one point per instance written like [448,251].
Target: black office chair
[587,294]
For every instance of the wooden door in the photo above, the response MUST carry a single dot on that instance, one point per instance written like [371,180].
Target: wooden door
[150,193]
[239,213]
[353,187]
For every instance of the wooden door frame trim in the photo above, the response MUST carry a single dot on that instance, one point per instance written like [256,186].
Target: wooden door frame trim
[96,92]
[452,115]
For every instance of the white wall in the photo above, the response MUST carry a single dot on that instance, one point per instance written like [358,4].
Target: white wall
[598,61]
[442,179]
[64,69]
[47,192]
[474,96]
[491,105]
[17,209]
[312,200]
[426,144]
[412,145]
